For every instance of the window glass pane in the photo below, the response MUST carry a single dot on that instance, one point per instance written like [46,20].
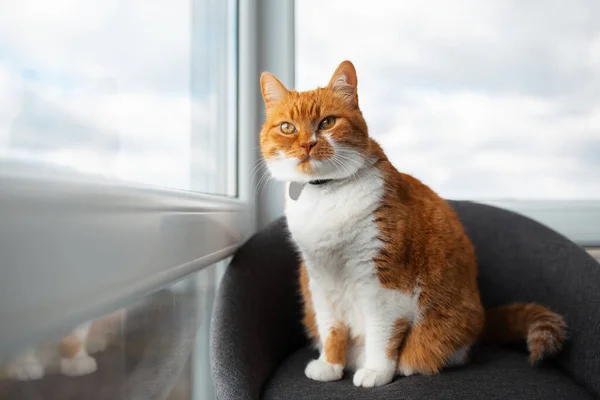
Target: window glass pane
[141,91]
[480,100]
[157,348]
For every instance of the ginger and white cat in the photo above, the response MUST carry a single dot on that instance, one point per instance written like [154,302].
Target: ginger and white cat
[388,275]
[72,354]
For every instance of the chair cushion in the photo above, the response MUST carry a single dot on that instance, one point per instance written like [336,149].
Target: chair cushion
[493,373]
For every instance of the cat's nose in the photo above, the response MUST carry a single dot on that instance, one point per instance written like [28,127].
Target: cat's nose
[308,146]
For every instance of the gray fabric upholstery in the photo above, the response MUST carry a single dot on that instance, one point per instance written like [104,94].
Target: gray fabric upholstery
[256,330]
[492,374]
[256,317]
[522,260]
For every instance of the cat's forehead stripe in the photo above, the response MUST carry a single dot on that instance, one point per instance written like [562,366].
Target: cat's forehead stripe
[305,106]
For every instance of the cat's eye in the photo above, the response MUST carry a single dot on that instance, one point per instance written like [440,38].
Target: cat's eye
[286,127]
[327,123]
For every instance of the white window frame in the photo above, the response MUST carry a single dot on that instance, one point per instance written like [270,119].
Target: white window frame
[127,241]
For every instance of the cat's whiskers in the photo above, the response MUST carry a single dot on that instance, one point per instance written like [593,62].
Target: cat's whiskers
[350,160]
[338,164]
[271,186]
[257,164]
[263,179]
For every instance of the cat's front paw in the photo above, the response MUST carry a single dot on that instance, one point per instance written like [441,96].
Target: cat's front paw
[320,370]
[367,377]
[80,365]
[26,370]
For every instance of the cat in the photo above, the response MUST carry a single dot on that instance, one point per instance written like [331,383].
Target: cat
[71,355]
[387,274]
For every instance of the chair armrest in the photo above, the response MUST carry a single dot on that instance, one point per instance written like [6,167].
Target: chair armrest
[522,260]
[257,313]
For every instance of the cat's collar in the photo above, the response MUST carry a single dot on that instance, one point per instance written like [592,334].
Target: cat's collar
[295,188]
[319,181]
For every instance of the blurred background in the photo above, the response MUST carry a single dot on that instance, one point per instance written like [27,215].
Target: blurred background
[129,150]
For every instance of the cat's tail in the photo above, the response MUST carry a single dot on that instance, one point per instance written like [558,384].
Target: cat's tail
[542,329]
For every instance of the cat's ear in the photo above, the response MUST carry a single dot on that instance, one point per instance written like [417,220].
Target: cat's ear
[344,82]
[273,90]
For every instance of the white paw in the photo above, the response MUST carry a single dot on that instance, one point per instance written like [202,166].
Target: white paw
[80,365]
[366,377]
[320,370]
[26,370]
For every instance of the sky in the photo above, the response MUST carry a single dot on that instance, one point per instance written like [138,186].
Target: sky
[479,100]
[103,88]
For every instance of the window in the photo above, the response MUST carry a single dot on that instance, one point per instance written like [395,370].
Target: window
[484,101]
[119,162]
[140,91]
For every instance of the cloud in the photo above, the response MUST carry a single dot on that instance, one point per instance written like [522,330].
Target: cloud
[480,100]
[106,89]
[85,40]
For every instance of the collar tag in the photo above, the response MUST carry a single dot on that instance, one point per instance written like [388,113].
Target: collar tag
[294,190]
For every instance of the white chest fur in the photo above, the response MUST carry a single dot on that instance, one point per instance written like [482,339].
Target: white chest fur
[329,217]
[334,229]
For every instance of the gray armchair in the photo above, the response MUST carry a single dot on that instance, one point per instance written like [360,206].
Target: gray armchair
[259,349]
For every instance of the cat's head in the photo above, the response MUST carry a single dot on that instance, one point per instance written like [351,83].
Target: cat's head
[319,134]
